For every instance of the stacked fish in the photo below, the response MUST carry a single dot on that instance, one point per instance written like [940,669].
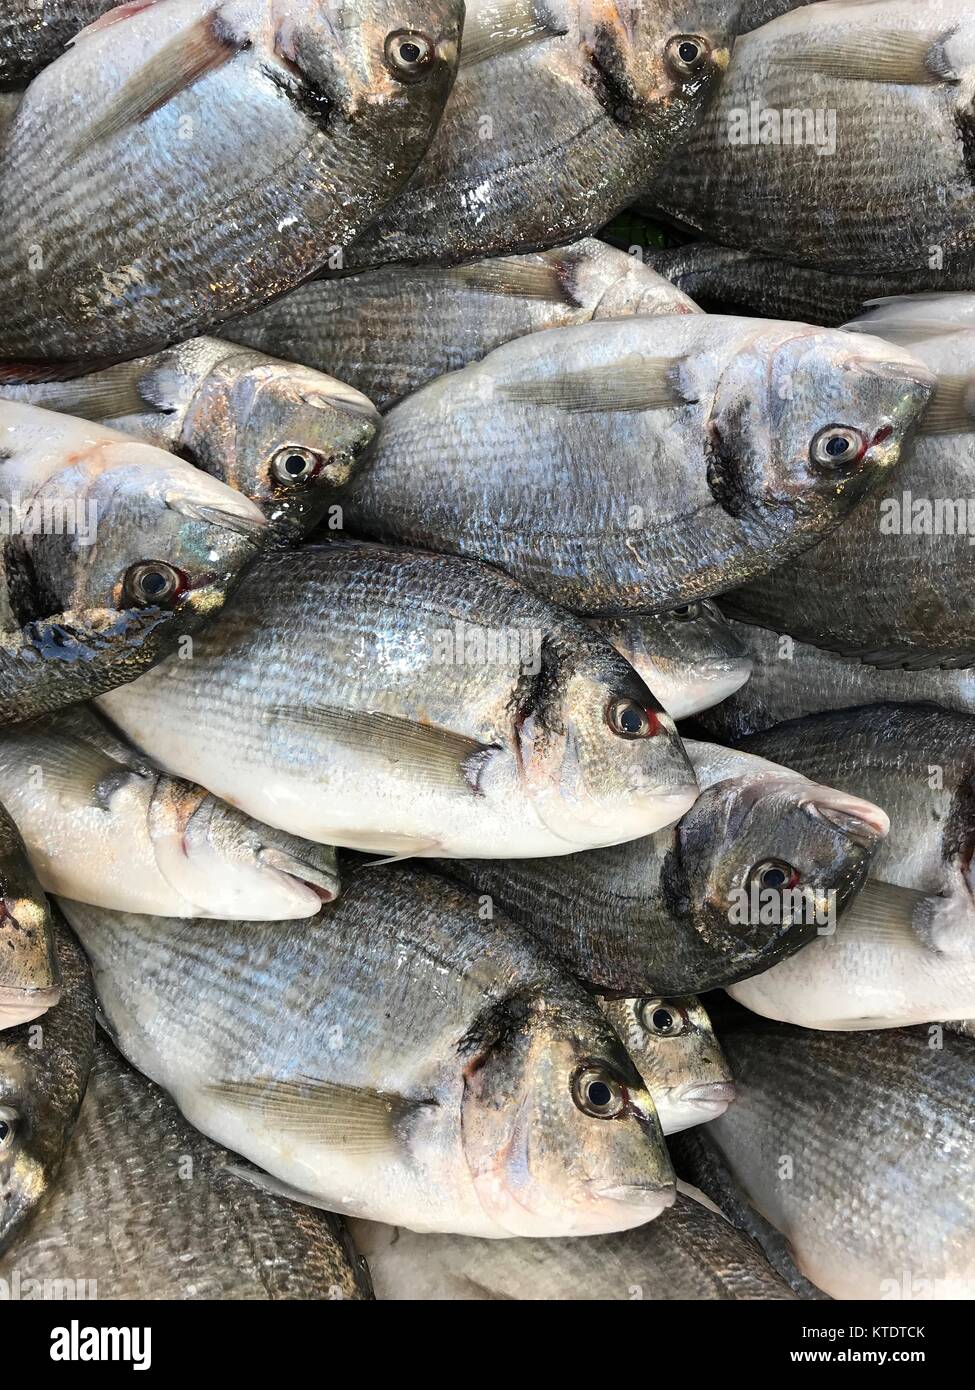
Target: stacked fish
[362,517]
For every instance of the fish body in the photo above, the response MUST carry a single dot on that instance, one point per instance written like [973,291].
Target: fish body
[146,1207]
[390,330]
[30,978]
[111,551]
[841,139]
[413,704]
[690,1252]
[104,826]
[44,1069]
[893,586]
[295,130]
[560,113]
[643,464]
[670,914]
[406,1060]
[285,436]
[35,32]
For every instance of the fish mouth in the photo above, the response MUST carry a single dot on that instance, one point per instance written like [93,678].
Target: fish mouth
[657,1195]
[19,1006]
[321,882]
[710,1095]
[252,527]
[861,821]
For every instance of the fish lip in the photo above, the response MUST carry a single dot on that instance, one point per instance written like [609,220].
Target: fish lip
[864,823]
[635,1193]
[710,1095]
[19,1006]
[251,528]
[321,881]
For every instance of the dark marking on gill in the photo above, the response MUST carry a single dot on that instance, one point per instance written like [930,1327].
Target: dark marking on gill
[965,122]
[25,592]
[608,79]
[495,1028]
[312,102]
[724,475]
[958,840]
[541,693]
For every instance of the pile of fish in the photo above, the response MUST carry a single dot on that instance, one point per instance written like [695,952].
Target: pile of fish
[440,645]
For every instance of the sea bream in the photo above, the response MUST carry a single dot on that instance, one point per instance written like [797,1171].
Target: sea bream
[30,978]
[187,160]
[642,464]
[412,704]
[406,1060]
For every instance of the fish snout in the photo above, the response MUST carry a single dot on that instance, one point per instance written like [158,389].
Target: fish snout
[861,821]
[709,1095]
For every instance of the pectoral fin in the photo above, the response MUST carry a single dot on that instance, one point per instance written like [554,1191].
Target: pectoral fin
[883,912]
[897,56]
[104,395]
[632,383]
[952,407]
[536,277]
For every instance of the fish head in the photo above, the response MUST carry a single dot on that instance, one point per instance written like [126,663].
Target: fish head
[285,436]
[559,1132]
[30,977]
[225,864]
[31,1134]
[688,656]
[160,535]
[768,860]
[674,1049]
[601,760]
[805,421]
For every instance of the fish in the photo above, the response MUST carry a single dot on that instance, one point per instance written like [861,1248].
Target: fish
[641,465]
[146,1207]
[689,656]
[674,1049]
[30,977]
[904,953]
[754,13]
[671,914]
[413,705]
[840,1141]
[44,1069]
[35,32]
[407,1060]
[841,139]
[390,330]
[892,586]
[286,437]
[689,1252]
[560,115]
[104,826]
[790,679]
[298,129]
[112,553]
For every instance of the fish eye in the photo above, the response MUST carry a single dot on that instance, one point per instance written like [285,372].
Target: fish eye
[409,54]
[294,465]
[598,1093]
[627,719]
[687,53]
[662,1019]
[152,581]
[837,447]
[8,1130]
[686,613]
[774,874]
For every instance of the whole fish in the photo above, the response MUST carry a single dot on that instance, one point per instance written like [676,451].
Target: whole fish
[391,330]
[905,952]
[414,704]
[30,978]
[44,1070]
[841,138]
[790,679]
[860,1151]
[689,1252]
[688,656]
[674,1049]
[561,113]
[642,464]
[285,436]
[893,586]
[296,130]
[146,1207]
[110,552]
[34,32]
[104,826]
[670,914]
[405,1060]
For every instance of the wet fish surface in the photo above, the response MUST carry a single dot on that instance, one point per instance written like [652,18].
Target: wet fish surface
[30,978]
[643,464]
[400,1053]
[149,1208]
[391,330]
[415,704]
[559,115]
[35,32]
[285,436]
[687,1253]
[296,133]
[44,1068]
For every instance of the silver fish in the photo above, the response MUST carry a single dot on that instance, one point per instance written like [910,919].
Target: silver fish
[412,704]
[104,826]
[406,1060]
[297,130]
[285,436]
[30,978]
[391,330]
[642,464]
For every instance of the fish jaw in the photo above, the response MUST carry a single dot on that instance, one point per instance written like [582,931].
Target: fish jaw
[22,1006]
[686,1106]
